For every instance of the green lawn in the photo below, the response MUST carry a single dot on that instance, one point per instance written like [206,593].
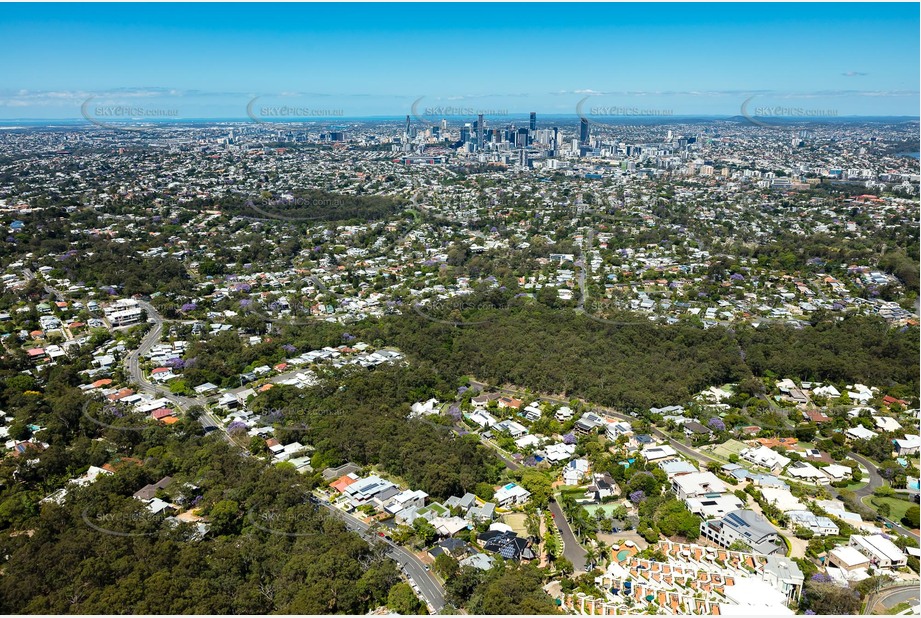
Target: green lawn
[856,486]
[897,507]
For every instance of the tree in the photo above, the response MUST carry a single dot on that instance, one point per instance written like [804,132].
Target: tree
[883,509]
[445,566]
[591,555]
[829,599]
[225,517]
[425,531]
[911,517]
[403,600]
[564,566]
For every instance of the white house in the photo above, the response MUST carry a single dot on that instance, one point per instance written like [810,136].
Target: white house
[886,423]
[696,484]
[575,471]
[806,471]
[618,428]
[820,525]
[860,433]
[657,452]
[482,418]
[511,494]
[837,472]
[763,456]
[909,445]
[882,552]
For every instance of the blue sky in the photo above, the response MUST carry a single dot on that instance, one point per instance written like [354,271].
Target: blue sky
[211,60]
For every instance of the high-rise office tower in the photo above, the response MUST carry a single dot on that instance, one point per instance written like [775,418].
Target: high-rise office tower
[583,131]
[407,124]
[533,121]
[522,140]
[481,129]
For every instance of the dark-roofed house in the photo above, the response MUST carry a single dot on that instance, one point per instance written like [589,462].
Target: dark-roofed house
[746,526]
[693,428]
[331,474]
[507,544]
[149,492]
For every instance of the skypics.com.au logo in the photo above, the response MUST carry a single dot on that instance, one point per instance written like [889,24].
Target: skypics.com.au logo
[124,117]
[609,114]
[772,116]
[296,208]
[290,108]
[429,114]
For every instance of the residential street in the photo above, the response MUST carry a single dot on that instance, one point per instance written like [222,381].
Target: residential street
[573,551]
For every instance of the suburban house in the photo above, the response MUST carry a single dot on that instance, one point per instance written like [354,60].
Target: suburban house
[745,526]
[807,472]
[482,418]
[696,484]
[481,401]
[563,414]
[507,544]
[847,559]
[765,457]
[909,445]
[714,505]
[510,402]
[575,471]
[882,552]
[819,525]
[616,429]
[657,453]
[514,429]
[886,423]
[511,494]
[696,429]
[860,433]
[364,490]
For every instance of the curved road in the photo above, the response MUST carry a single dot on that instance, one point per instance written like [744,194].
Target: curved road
[890,597]
[415,570]
[133,365]
[572,550]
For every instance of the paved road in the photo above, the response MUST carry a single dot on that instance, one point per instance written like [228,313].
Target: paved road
[428,586]
[415,570]
[132,364]
[890,597]
[572,550]
[874,480]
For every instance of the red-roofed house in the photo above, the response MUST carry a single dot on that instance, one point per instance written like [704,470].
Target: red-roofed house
[102,382]
[161,413]
[816,416]
[341,483]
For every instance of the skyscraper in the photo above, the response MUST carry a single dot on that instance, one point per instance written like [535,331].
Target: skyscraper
[583,132]
[407,125]
[533,121]
[481,129]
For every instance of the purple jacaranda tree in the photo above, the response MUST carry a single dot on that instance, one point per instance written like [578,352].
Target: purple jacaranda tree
[187,307]
[569,439]
[637,496]
[716,424]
